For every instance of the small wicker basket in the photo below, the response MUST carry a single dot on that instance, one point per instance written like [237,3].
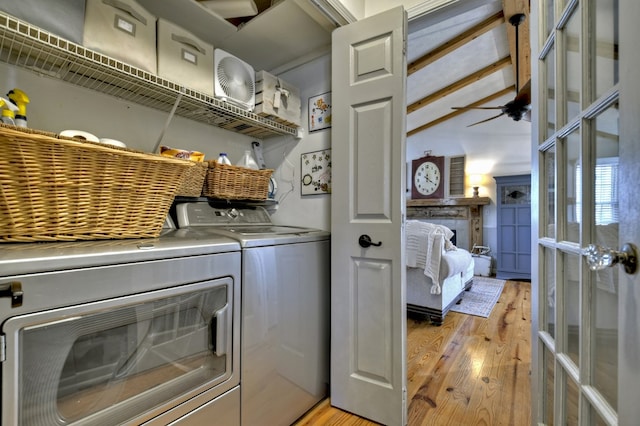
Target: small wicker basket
[236,183]
[54,189]
[193,182]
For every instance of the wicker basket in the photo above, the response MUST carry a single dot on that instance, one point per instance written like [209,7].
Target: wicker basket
[193,182]
[54,189]
[236,183]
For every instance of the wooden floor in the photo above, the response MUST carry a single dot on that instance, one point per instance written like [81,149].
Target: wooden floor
[469,371]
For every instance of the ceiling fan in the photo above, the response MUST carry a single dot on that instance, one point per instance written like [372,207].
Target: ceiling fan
[520,106]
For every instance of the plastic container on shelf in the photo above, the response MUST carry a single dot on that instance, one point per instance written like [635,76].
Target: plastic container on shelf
[223,159]
[248,161]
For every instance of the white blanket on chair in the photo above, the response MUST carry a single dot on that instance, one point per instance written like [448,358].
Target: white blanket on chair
[423,248]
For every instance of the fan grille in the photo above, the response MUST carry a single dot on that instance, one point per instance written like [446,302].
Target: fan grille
[235,80]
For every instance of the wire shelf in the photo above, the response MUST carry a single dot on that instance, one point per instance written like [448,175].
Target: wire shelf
[29,47]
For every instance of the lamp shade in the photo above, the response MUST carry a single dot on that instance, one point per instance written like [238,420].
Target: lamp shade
[476,179]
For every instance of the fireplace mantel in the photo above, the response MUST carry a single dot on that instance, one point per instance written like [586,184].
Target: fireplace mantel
[469,209]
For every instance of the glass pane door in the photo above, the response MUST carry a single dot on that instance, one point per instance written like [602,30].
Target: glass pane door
[578,144]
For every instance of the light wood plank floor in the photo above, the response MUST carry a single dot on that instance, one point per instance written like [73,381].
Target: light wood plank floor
[469,371]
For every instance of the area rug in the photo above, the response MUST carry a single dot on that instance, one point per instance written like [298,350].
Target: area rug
[481,298]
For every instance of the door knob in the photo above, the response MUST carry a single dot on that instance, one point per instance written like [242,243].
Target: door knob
[365,241]
[599,257]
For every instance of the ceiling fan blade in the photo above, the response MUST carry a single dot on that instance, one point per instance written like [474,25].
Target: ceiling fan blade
[468,107]
[488,119]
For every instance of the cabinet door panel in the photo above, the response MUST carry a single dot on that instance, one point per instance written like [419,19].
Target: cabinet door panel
[508,216]
[524,239]
[508,262]
[507,238]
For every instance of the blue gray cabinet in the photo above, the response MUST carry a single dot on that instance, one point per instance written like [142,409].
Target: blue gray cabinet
[513,255]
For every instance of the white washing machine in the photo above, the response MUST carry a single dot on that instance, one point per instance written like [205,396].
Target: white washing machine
[285,310]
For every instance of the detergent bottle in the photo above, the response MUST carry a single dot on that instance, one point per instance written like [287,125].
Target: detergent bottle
[20,99]
[8,111]
[248,161]
[224,159]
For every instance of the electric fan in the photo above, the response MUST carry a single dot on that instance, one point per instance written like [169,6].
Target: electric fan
[234,80]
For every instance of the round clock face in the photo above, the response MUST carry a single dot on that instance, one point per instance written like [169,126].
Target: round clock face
[427,178]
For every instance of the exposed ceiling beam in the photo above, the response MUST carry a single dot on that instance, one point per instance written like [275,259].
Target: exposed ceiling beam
[510,8]
[472,78]
[456,42]
[458,112]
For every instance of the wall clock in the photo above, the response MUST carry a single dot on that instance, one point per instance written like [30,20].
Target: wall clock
[428,177]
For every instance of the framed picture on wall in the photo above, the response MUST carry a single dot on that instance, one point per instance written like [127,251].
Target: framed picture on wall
[320,112]
[316,172]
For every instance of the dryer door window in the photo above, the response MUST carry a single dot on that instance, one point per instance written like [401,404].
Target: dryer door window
[108,362]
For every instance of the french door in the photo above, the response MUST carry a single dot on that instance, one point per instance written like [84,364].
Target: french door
[586,338]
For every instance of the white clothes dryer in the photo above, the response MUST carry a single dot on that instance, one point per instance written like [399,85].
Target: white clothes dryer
[82,321]
[285,310]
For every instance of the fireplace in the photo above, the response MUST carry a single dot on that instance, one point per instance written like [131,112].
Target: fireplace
[462,214]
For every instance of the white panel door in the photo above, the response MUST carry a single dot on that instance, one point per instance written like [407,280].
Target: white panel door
[586,319]
[368,329]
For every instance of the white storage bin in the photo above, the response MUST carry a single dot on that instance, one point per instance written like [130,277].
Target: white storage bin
[184,58]
[482,265]
[276,99]
[123,30]
[64,18]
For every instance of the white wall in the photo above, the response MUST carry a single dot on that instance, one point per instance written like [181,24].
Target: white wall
[56,106]
[283,153]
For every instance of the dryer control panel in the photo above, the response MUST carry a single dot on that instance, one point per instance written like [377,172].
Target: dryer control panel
[203,214]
